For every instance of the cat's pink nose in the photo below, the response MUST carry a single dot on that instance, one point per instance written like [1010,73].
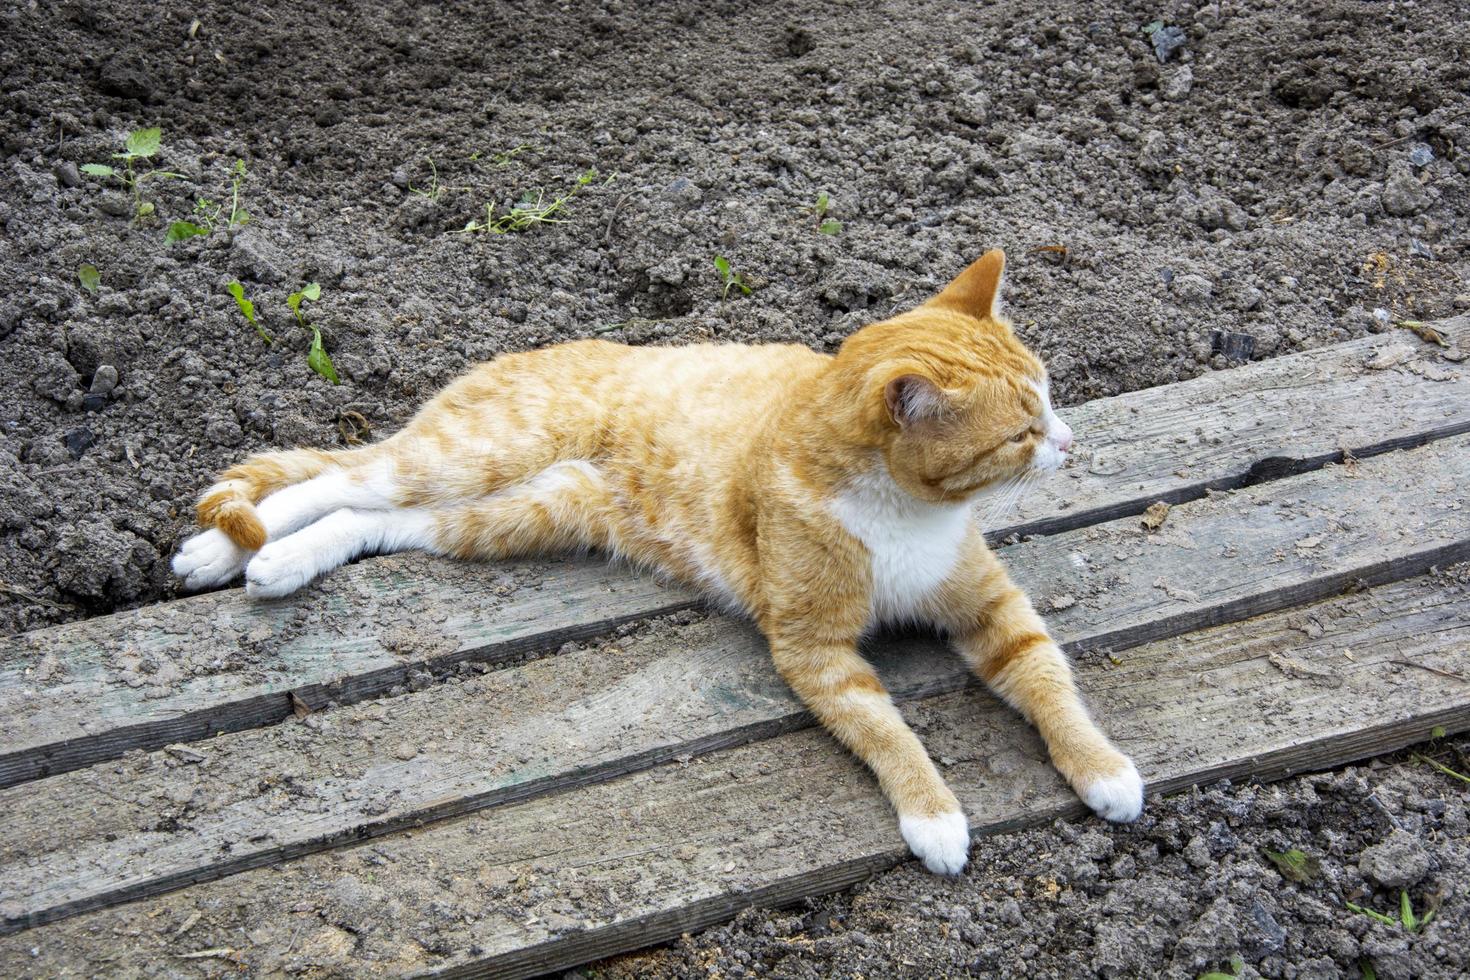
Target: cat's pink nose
[1062,435]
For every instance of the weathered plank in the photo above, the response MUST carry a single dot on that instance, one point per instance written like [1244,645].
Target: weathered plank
[109,835]
[566,878]
[84,692]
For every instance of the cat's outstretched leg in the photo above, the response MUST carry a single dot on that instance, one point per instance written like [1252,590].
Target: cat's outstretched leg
[998,632]
[213,557]
[844,692]
[564,506]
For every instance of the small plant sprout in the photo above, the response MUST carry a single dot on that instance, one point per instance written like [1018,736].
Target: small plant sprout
[1236,965]
[208,215]
[532,209]
[89,277]
[141,144]
[1406,917]
[316,358]
[247,309]
[435,190]
[819,211]
[730,278]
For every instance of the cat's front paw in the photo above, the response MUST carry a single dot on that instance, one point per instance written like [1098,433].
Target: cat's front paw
[941,842]
[1118,796]
[208,559]
[280,568]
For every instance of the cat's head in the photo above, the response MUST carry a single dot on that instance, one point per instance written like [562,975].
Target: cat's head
[952,399]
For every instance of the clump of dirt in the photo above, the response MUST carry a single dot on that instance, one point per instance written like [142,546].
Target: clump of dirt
[1287,170]
[1187,890]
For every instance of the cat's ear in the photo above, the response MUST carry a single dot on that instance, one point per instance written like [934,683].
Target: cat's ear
[912,399]
[976,291]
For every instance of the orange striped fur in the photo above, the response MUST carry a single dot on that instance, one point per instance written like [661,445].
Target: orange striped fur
[821,495]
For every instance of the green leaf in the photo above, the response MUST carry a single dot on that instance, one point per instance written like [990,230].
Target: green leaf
[823,203]
[1406,912]
[1294,865]
[97,169]
[1437,731]
[722,264]
[318,360]
[311,291]
[1216,975]
[144,142]
[1367,971]
[1387,920]
[181,231]
[89,277]
[830,228]
[247,309]
[145,209]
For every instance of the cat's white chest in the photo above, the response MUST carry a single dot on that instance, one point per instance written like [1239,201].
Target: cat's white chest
[913,545]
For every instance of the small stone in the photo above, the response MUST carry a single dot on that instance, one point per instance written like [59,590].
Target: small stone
[1420,154]
[185,754]
[78,441]
[1060,602]
[1382,318]
[405,751]
[92,402]
[104,380]
[1461,301]
[682,190]
[1403,195]
[1178,84]
[686,852]
[67,174]
[1167,40]
[1197,852]
[117,205]
[55,379]
[1420,250]
[1192,289]
[1399,861]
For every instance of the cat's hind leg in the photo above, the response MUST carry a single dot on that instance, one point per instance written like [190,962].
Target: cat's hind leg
[565,506]
[213,557]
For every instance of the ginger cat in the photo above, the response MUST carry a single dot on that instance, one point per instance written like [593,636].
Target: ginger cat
[821,495]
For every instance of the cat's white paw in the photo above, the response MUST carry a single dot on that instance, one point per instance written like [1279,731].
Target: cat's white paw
[1119,797]
[208,559]
[281,567]
[942,842]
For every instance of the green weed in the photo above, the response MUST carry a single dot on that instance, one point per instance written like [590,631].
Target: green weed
[208,215]
[141,144]
[435,190]
[247,310]
[1440,767]
[730,278]
[531,210]
[1295,865]
[1406,917]
[1236,965]
[89,277]
[316,358]
[819,211]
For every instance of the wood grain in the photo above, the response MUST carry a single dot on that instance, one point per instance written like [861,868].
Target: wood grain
[566,878]
[100,837]
[85,692]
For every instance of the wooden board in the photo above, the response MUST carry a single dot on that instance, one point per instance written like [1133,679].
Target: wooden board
[108,835]
[74,695]
[570,877]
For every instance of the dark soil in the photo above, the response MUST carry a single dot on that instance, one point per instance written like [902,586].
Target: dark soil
[1181,893]
[1258,184]
[1290,169]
